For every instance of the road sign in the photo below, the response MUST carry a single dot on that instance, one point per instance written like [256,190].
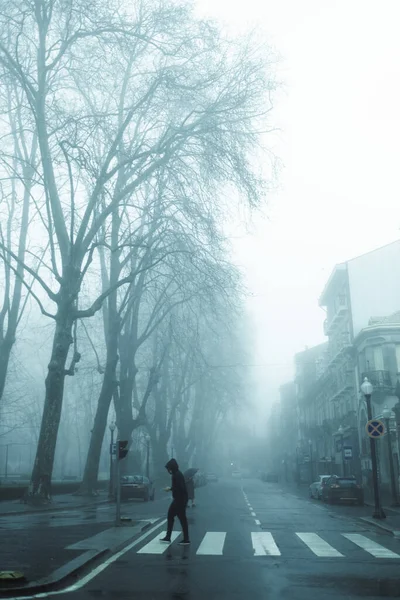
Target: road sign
[122,448]
[375,428]
[113,449]
[348,452]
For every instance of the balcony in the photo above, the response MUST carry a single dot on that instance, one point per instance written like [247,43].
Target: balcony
[381,380]
[345,383]
[340,309]
[337,350]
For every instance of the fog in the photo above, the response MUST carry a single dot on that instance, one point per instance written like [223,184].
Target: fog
[338,188]
[164,243]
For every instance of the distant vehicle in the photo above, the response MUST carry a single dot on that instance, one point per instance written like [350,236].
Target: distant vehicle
[137,486]
[342,489]
[316,487]
[212,477]
[246,473]
[236,474]
[200,479]
[270,477]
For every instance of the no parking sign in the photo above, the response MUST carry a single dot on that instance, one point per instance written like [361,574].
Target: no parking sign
[375,428]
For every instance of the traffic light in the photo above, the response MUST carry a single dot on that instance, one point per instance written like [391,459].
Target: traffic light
[122,449]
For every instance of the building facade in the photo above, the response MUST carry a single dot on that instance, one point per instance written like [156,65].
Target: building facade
[377,349]
[325,400]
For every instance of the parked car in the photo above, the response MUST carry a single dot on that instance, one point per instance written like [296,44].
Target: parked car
[339,489]
[212,477]
[200,479]
[137,486]
[316,487]
[270,477]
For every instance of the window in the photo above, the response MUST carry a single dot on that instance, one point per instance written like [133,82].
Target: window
[378,358]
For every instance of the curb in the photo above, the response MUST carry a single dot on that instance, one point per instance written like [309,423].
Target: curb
[71,569]
[49,509]
[380,526]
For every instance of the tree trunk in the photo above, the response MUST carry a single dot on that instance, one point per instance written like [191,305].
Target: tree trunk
[40,485]
[89,483]
[5,353]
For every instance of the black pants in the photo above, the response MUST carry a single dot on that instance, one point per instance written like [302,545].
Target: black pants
[178,510]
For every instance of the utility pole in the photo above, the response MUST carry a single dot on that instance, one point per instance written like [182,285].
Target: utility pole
[148,457]
[122,451]
[112,427]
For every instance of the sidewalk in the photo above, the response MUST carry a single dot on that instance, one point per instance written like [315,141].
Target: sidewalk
[59,502]
[51,547]
[390,525]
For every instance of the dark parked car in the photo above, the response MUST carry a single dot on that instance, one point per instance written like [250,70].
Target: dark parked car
[137,486]
[270,477]
[342,489]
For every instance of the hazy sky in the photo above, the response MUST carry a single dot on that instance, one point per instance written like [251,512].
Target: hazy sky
[339,190]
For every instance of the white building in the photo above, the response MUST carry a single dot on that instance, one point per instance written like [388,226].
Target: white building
[359,344]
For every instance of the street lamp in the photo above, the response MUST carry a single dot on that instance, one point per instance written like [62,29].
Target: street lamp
[148,456]
[112,426]
[367,390]
[387,413]
[341,432]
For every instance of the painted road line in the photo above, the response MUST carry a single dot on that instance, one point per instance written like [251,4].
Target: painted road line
[318,545]
[253,514]
[369,546]
[258,522]
[212,544]
[264,544]
[157,547]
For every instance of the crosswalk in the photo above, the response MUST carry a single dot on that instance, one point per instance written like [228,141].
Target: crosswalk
[263,543]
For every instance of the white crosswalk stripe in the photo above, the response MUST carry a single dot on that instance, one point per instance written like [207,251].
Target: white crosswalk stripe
[369,546]
[212,544]
[318,545]
[264,544]
[157,547]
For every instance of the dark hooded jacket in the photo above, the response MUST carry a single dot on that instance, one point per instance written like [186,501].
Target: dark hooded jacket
[178,485]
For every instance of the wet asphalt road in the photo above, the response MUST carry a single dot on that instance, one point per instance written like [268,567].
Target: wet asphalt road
[251,540]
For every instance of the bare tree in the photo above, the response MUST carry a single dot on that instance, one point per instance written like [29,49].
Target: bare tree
[17,166]
[185,98]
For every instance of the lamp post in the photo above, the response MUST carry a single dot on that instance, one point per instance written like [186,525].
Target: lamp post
[148,456]
[378,513]
[341,432]
[6,464]
[387,413]
[311,460]
[112,427]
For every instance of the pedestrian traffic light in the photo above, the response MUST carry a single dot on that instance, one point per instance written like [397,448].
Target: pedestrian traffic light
[122,449]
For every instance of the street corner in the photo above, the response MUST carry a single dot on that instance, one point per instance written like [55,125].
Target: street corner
[16,583]
[93,551]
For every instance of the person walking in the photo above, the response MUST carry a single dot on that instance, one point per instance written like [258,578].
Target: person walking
[178,504]
[190,490]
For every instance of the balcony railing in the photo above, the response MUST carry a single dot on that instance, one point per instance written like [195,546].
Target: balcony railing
[340,308]
[381,380]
